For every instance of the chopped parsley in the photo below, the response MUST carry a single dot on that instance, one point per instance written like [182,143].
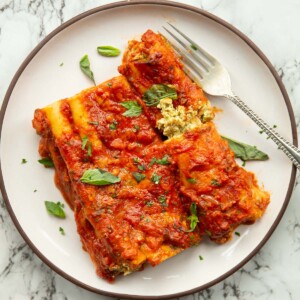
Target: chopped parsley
[194,47]
[193,218]
[136,128]
[149,203]
[162,199]
[215,182]
[23,161]
[86,142]
[156,178]
[93,122]
[113,125]
[237,233]
[192,180]
[141,167]
[201,257]
[62,231]
[138,176]
[152,162]
[164,160]
[136,160]
[61,64]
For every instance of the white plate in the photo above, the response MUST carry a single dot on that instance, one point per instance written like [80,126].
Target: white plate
[41,80]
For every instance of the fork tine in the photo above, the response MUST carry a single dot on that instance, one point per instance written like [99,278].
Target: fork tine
[210,58]
[188,61]
[200,60]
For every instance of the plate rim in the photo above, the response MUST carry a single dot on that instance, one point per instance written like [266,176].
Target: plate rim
[185,7]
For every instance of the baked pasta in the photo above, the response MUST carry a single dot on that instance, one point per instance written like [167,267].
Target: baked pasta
[147,185]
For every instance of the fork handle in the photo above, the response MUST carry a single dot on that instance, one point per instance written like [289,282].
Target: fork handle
[291,151]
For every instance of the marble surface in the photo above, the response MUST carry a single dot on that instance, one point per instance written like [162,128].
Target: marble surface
[273,25]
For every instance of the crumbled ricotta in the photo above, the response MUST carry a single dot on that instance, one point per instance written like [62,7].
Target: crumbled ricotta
[178,120]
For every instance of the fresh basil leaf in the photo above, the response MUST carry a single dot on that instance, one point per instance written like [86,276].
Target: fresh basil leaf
[193,218]
[157,92]
[55,209]
[133,109]
[164,160]
[138,176]
[85,67]
[47,162]
[244,151]
[108,51]
[99,177]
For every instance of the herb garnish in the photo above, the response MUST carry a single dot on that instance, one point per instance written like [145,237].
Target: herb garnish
[86,142]
[194,47]
[193,217]
[162,199]
[55,209]
[152,162]
[215,182]
[99,177]
[200,257]
[93,122]
[136,128]
[192,180]
[23,161]
[157,92]
[141,167]
[149,203]
[108,51]
[133,108]
[47,162]
[85,67]
[89,149]
[138,176]
[156,178]
[244,151]
[162,161]
[136,160]
[62,231]
[113,125]
[237,233]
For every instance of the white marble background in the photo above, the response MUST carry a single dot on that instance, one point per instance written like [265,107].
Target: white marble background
[274,273]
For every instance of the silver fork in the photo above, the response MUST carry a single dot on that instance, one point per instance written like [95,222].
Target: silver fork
[214,80]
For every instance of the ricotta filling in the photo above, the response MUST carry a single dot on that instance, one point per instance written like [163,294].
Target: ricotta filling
[176,121]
